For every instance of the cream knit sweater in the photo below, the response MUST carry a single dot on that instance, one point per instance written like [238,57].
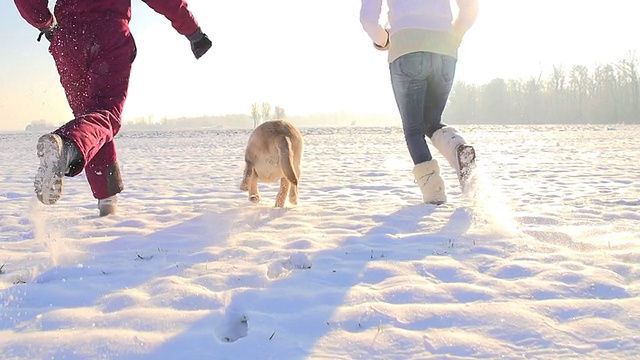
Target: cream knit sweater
[413,25]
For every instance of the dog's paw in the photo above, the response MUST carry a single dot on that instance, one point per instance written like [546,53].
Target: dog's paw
[254,199]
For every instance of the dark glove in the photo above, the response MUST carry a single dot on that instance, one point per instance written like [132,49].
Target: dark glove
[200,43]
[48,31]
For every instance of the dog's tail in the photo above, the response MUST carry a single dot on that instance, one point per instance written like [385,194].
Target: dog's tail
[286,159]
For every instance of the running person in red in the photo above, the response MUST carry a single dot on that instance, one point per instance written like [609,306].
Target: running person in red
[93,50]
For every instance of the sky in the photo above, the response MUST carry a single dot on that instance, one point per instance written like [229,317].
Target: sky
[307,57]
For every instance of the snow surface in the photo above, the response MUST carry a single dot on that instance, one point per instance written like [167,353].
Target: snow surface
[541,262]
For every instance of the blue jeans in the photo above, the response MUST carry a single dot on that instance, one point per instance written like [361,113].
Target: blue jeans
[421,83]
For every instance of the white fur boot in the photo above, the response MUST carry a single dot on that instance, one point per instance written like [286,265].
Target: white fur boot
[427,175]
[108,206]
[460,156]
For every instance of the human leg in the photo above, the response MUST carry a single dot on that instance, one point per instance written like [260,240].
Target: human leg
[110,89]
[59,156]
[94,71]
[409,80]
[409,84]
[460,155]
[448,141]
[441,75]
[104,71]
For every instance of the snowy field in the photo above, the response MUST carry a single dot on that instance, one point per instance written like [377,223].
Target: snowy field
[541,262]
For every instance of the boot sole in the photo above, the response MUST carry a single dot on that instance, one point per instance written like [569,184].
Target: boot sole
[466,155]
[48,182]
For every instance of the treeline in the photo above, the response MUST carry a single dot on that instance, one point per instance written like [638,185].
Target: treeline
[609,93]
[230,121]
[40,126]
[242,121]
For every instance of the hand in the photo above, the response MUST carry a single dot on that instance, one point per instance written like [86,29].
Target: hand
[49,30]
[200,43]
[384,47]
[458,32]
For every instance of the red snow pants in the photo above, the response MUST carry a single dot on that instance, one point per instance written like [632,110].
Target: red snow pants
[93,56]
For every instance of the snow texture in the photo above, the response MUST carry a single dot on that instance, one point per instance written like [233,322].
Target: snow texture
[540,261]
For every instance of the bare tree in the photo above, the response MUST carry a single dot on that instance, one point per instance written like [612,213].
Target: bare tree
[605,103]
[557,79]
[255,114]
[556,93]
[629,80]
[462,104]
[533,109]
[266,111]
[493,100]
[278,113]
[579,82]
[517,100]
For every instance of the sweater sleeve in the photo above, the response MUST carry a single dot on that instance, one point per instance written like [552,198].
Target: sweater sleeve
[35,12]
[175,11]
[370,20]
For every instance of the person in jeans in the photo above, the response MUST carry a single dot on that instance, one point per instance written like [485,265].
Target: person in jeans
[422,41]
[93,50]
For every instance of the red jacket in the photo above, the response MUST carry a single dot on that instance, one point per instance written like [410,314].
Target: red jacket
[36,12]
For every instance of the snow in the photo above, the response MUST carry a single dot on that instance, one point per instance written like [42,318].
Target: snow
[541,261]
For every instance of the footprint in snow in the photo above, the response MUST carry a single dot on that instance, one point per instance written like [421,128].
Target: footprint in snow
[282,268]
[234,326]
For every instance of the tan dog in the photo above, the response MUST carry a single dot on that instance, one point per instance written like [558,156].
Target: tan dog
[273,153]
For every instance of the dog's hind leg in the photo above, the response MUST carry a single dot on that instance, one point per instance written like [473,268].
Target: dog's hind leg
[250,183]
[254,194]
[246,178]
[283,192]
[293,194]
